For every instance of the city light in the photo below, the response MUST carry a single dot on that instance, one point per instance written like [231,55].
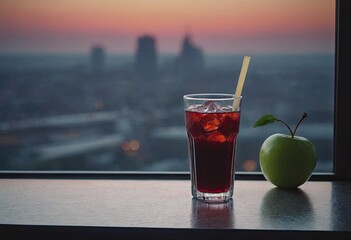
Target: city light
[99,105]
[132,145]
[249,165]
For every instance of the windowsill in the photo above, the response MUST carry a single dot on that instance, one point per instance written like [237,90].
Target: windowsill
[164,209]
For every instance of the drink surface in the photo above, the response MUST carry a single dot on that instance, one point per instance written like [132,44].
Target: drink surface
[212,139]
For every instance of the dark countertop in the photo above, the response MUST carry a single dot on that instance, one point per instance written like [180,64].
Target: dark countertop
[155,208]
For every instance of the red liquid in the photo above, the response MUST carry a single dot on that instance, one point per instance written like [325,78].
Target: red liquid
[212,141]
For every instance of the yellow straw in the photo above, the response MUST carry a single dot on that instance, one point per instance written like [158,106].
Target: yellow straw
[241,81]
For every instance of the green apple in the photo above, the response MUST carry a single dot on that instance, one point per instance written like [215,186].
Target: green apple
[287,161]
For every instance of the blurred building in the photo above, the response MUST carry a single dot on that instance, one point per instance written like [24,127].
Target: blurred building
[97,57]
[146,58]
[191,60]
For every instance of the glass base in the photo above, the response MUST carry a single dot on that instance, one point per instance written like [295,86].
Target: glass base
[214,197]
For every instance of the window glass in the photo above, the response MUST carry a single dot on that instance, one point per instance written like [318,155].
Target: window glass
[98,85]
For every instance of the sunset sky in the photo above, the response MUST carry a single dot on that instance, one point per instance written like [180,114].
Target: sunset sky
[223,26]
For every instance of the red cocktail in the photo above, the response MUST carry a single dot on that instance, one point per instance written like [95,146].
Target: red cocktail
[212,129]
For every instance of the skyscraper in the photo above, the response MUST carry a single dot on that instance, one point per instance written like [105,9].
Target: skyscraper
[97,56]
[146,58]
[191,59]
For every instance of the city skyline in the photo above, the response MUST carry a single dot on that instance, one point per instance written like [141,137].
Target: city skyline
[72,26]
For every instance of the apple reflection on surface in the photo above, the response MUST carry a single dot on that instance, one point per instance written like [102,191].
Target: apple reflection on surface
[290,208]
[212,215]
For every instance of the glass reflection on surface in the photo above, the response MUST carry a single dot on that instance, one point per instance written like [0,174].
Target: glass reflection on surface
[212,215]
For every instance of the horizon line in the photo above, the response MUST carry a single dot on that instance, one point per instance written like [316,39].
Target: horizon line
[159,53]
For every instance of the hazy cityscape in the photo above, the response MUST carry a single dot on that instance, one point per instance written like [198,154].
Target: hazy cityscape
[120,112]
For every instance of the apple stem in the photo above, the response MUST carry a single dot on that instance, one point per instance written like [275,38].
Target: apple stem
[291,132]
[304,115]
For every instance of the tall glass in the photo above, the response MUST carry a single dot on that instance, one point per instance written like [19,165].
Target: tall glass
[212,124]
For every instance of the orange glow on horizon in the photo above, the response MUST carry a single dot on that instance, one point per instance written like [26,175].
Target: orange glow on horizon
[225,18]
